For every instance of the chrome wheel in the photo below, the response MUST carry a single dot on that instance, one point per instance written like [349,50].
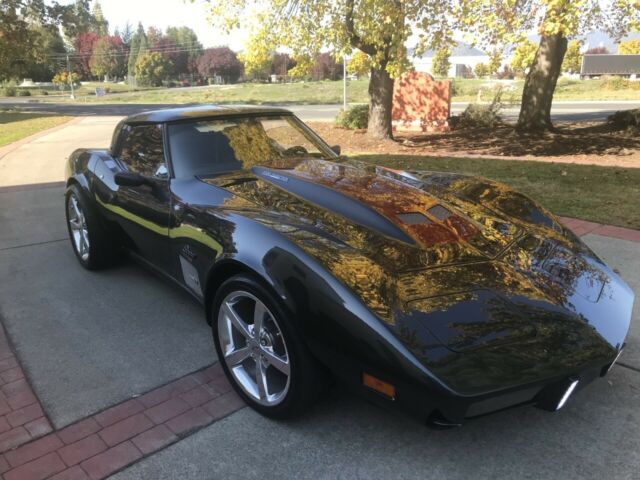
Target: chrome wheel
[78,227]
[253,348]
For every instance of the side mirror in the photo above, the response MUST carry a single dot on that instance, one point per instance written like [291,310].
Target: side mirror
[129,179]
[336,149]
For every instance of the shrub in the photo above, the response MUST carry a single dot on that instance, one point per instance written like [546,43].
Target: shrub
[480,116]
[481,70]
[24,93]
[10,91]
[44,92]
[626,118]
[152,68]
[619,83]
[354,118]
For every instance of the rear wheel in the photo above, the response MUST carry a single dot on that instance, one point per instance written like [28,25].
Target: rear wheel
[89,240]
[261,352]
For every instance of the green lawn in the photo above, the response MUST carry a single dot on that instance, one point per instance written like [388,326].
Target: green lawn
[608,195]
[16,125]
[465,90]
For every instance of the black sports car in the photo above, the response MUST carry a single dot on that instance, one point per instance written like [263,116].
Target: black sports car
[446,295]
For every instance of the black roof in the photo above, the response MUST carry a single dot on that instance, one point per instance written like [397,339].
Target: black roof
[200,111]
[610,65]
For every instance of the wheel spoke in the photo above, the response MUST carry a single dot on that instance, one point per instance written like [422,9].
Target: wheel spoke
[237,356]
[276,361]
[261,380]
[84,244]
[74,204]
[258,317]
[237,322]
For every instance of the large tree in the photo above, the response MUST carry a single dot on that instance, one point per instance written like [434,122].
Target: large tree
[137,47]
[556,21]
[220,61]
[379,28]
[19,40]
[81,59]
[190,48]
[99,24]
[152,68]
[629,47]
[107,58]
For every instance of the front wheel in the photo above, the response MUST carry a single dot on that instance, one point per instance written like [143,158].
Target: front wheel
[261,352]
[88,239]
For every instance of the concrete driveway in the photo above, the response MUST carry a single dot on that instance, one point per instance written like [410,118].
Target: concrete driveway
[91,340]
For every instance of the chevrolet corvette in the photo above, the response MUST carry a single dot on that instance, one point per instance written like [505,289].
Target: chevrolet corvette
[444,295]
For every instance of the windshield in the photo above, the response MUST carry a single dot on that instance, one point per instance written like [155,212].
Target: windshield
[222,145]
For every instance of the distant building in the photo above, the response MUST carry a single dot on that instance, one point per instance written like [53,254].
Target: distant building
[463,60]
[597,65]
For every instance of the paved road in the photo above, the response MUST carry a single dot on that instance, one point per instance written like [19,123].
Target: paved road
[562,111]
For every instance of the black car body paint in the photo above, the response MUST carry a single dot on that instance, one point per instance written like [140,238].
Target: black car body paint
[466,296]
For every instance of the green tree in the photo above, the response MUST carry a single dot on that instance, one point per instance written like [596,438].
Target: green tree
[77,19]
[186,39]
[523,56]
[152,68]
[99,24]
[137,46]
[29,38]
[572,62]
[495,62]
[107,57]
[256,58]
[629,47]
[379,28]
[127,33]
[499,21]
[359,64]
[441,64]
[48,50]
[481,70]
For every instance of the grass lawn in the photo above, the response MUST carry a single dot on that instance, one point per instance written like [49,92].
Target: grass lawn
[16,125]
[325,92]
[608,195]
[466,90]
[330,92]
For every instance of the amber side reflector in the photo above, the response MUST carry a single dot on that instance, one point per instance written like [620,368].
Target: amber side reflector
[378,385]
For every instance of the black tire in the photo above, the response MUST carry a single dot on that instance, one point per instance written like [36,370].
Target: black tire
[307,378]
[101,252]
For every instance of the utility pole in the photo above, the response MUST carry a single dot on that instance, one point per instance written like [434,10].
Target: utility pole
[70,77]
[344,82]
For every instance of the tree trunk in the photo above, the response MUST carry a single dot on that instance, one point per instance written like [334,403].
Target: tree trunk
[540,84]
[380,101]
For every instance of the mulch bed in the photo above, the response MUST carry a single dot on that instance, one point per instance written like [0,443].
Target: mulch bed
[582,143]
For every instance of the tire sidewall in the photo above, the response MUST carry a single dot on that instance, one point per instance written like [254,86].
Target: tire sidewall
[294,398]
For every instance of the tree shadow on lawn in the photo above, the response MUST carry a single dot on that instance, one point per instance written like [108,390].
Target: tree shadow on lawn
[591,139]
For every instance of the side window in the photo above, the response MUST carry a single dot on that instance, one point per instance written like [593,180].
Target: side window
[142,151]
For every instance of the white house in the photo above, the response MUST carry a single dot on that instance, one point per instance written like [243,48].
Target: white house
[463,60]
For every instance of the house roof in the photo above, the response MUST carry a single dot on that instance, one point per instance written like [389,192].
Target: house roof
[610,65]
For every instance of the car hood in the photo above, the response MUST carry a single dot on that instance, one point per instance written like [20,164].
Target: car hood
[442,258]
